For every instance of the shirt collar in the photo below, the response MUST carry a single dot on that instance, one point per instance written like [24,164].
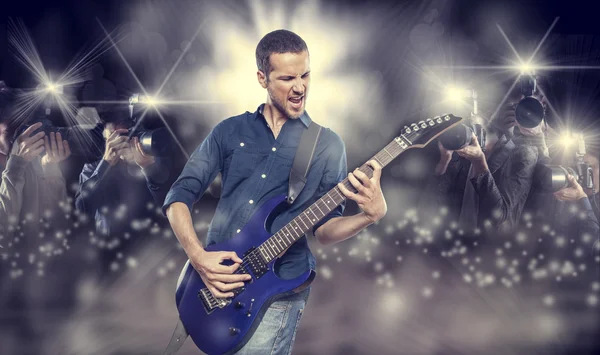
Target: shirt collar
[305,118]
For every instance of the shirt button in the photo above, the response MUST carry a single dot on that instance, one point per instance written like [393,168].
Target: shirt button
[242,144]
[263,176]
[274,149]
[251,201]
[239,230]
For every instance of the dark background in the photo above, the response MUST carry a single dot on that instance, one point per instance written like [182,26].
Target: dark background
[388,290]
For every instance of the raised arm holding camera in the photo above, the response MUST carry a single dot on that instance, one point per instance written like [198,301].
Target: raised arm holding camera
[485,183]
[31,184]
[106,183]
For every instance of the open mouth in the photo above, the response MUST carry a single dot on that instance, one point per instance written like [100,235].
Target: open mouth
[296,102]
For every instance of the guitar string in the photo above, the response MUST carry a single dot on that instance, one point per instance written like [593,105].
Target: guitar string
[397,149]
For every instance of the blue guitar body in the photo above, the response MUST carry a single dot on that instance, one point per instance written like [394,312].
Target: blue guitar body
[225,328]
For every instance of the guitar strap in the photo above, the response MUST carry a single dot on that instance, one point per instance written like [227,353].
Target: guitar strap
[180,334]
[302,159]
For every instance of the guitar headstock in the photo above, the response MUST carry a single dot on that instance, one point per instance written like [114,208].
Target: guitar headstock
[422,133]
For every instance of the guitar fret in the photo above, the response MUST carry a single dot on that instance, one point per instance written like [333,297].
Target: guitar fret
[288,234]
[307,227]
[286,238]
[297,226]
[278,240]
[262,252]
[316,204]
[329,198]
[288,229]
[339,193]
[268,250]
[277,251]
[380,164]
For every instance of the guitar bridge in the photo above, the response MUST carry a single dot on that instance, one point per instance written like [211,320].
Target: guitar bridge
[210,302]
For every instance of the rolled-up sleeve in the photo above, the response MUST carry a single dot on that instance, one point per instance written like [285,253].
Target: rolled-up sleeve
[200,170]
[336,170]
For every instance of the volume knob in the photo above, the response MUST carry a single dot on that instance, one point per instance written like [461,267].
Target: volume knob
[239,304]
[234,331]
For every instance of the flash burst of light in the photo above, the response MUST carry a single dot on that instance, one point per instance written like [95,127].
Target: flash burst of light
[28,101]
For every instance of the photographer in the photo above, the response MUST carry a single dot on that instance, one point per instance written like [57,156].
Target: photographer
[31,184]
[492,186]
[111,188]
[573,195]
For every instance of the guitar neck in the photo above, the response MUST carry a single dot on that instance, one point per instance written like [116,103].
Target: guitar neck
[295,229]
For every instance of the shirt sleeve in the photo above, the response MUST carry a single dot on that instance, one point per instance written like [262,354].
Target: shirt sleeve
[91,192]
[158,179]
[505,205]
[11,189]
[200,170]
[336,170]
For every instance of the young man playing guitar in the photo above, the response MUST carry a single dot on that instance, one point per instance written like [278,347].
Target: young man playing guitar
[254,153]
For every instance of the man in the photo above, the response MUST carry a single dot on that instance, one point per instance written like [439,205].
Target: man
[579,221]
[31,184]
[31,189]
[491,186]
[544,206]
[113,191]
[254,153]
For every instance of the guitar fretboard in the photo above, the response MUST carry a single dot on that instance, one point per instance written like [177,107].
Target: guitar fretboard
[296,228]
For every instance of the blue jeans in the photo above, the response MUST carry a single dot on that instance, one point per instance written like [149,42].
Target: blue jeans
[276,333]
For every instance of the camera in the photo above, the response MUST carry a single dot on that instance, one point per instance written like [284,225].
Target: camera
[155,142]
[554,177]
[76,136]
[461,135]
[529,111]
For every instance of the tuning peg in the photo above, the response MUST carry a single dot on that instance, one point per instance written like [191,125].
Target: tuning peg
[446,118]
[407,129]
[414,127]
[430,122]
[422,124]
[438,119]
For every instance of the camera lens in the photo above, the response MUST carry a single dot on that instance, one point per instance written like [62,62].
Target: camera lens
[456,137]
[529,112]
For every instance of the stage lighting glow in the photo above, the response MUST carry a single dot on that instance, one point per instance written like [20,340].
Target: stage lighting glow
[151,101]
[566,139]
[54,88]
[527,68]
[454,93]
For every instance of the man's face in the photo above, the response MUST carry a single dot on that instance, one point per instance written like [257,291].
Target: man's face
[288,82]
[4,139]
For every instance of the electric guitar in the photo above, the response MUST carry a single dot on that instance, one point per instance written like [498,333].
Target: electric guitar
[224,325]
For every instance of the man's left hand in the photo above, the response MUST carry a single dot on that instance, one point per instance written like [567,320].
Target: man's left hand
[369,196]
[135,154]
[571,193]
[57,150]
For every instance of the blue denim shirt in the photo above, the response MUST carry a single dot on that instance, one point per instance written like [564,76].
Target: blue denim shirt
[255,167]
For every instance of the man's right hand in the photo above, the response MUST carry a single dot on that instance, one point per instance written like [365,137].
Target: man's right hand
[28,147]
[219,278]
[115,143]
